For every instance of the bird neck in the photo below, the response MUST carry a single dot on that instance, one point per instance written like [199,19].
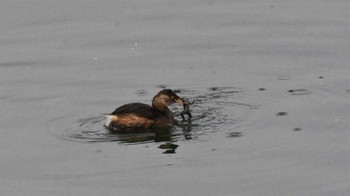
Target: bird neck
[160,105]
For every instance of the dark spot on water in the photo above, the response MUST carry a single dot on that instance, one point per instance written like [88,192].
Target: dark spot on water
[262,89]
[297,129]
[320,77]
[214,88]
[282,114]
[224,90]
[299,92]
[347,91]
[235,134]
[163,86]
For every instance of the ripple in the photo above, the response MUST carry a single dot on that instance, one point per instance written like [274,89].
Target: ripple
[215,110]
[235,134]
[297,129]
[141,93]
[284,77]
[299,92]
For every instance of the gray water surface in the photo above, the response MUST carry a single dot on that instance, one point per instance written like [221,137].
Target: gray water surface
[270,80]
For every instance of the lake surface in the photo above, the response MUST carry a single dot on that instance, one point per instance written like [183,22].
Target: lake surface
[270,79]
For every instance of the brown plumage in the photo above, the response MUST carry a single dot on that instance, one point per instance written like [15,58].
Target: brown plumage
[139,116]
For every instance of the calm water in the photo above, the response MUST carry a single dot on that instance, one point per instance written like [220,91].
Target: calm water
[270,80]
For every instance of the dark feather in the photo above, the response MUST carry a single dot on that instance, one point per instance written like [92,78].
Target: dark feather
[139,109]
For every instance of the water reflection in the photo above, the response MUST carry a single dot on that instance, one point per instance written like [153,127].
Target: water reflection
[170,134]
[92,130]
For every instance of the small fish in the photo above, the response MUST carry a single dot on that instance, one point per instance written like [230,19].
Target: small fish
[187,110]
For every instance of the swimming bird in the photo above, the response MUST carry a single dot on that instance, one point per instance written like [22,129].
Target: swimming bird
[140,116]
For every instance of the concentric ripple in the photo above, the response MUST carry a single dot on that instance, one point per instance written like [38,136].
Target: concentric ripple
[214,110]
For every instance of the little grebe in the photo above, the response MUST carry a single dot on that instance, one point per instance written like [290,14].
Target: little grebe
[139,116]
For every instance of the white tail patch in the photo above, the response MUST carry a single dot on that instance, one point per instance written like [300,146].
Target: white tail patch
[109,119]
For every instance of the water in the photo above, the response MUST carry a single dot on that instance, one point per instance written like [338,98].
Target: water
[270,80]
[214,110]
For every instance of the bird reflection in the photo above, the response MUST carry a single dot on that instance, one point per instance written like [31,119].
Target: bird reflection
[169,135]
